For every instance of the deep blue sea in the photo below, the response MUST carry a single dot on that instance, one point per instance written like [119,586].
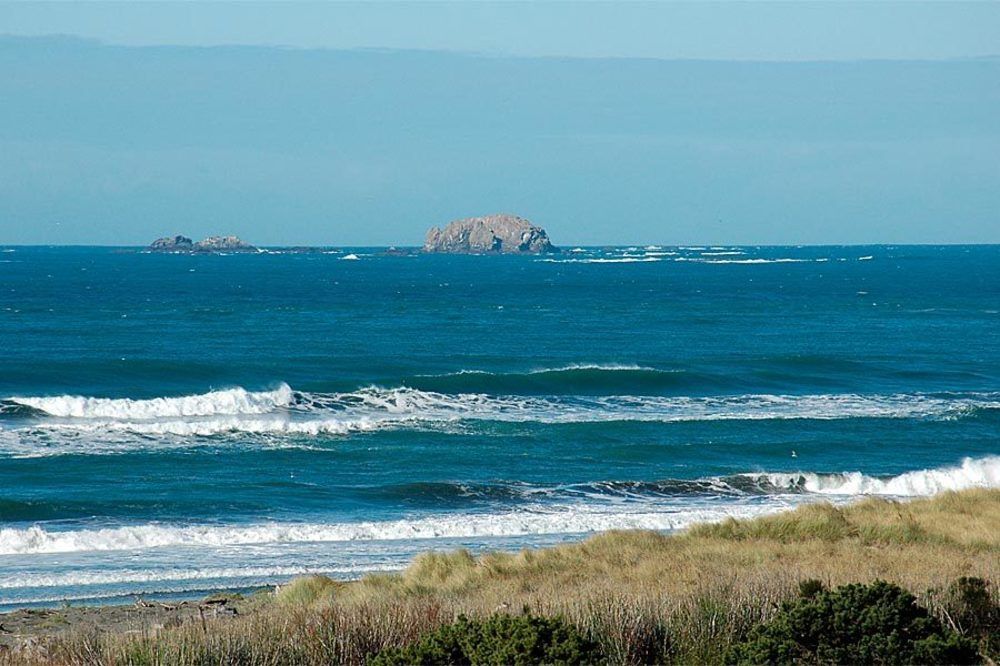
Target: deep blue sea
[174,424]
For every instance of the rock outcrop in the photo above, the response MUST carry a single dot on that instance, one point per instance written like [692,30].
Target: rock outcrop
[209,245]
[172,244]
[223,244]
[492,234]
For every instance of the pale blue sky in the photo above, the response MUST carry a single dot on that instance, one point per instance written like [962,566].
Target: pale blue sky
[120,139]
[745,30]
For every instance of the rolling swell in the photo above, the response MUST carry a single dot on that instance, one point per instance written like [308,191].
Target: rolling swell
[12,410]
[571,380]
[787,373]
[552,510]
[972,472]
[465,495]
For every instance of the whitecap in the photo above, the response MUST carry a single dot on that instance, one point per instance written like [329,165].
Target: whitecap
[539,520]
[781,260]
[229,401]
[283,417]
[604,260]
[972,473]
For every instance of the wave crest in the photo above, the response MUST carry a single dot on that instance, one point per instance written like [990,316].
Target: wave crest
[972,473]
[585,379]
[576,509]
[231,401]
[95,425]
[578,520]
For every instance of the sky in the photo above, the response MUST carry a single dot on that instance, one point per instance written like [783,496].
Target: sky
[724,31]
[358,124]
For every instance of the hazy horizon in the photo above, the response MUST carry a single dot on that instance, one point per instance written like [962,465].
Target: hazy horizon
[687,30]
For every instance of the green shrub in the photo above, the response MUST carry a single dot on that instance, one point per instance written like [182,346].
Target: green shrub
[810,587]
[500,640]
[856,624]
[973,611]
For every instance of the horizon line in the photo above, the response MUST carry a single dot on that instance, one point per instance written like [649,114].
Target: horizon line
[388,50]
[560,247]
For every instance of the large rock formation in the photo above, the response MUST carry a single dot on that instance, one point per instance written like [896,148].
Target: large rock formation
[209,245]
[492,234]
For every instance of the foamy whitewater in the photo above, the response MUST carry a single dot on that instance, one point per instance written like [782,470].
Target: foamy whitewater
[283,411]
[172,425]
[557,515]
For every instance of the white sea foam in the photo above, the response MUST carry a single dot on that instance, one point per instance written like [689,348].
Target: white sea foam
[602,367]
[637,259]
[564,520]
[106,422]
[84,577]
[210,426]
[350,257]
[972,473]
[231,401]
[780,260]
[605,367]
[540,519]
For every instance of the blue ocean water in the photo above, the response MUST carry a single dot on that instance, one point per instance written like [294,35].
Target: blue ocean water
[173,424]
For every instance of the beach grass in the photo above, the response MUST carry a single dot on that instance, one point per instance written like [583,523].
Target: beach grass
[643,596]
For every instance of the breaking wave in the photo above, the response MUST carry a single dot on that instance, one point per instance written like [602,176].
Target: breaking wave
[575,509]
[576,520]
[58,423]
[231,401]
[972,473]
[22,580]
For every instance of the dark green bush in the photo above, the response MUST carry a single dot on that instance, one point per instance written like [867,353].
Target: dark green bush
[854,624]
[973,611]
[810,587]
[500,640]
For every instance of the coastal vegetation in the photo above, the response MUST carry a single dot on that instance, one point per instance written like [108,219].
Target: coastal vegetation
[737,591]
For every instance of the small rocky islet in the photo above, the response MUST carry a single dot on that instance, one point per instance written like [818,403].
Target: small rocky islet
[212,244]
[489,234]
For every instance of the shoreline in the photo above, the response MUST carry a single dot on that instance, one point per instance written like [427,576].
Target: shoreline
[794,538]
[497,543]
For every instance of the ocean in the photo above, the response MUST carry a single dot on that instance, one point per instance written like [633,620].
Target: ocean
[172,424]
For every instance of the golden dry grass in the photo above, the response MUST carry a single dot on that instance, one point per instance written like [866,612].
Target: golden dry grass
[644,596]
[917,544]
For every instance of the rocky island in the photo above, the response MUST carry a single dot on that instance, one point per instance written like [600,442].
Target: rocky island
[212,244]
[491,234]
